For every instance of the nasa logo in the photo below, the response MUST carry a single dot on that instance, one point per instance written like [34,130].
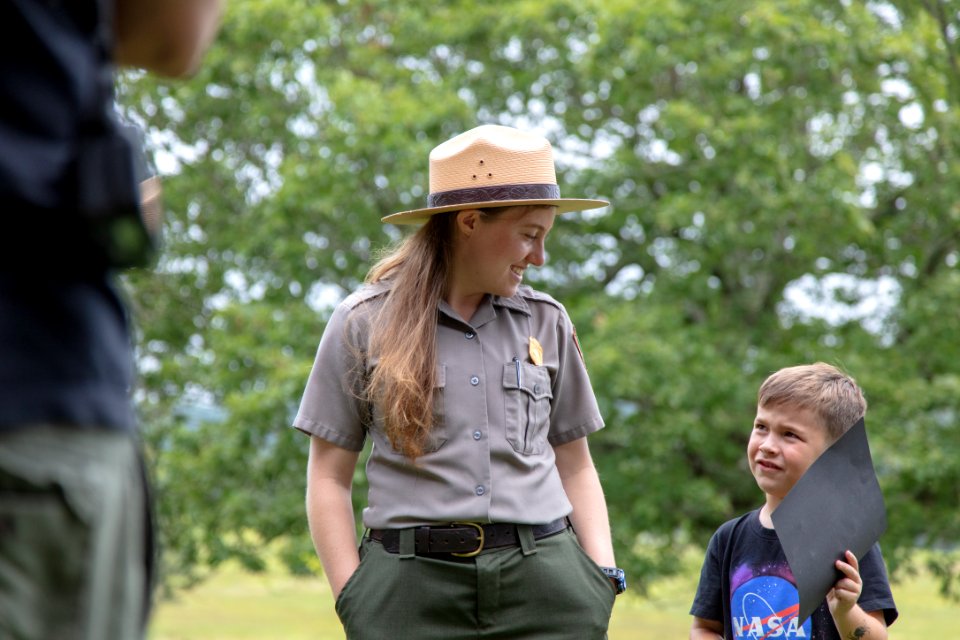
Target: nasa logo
[767,607]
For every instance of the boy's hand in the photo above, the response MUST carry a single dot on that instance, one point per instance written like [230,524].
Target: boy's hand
[845,593]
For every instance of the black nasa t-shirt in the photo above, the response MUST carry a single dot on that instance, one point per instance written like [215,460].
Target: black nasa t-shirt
[746,582]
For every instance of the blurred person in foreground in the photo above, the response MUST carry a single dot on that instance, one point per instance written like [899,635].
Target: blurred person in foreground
[747,589]
[485,513]
[76,552]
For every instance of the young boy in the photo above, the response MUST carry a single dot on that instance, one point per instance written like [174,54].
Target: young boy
[746,587]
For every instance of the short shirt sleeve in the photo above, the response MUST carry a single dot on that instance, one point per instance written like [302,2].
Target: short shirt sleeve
[331,407]
[574,413]
[876,594]
[708,601]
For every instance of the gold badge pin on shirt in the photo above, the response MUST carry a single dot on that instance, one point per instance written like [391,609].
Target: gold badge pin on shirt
[536,351]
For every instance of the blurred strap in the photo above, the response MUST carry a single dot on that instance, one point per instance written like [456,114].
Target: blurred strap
[151,205]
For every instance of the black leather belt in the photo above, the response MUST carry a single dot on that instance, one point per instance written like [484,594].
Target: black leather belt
[464,539]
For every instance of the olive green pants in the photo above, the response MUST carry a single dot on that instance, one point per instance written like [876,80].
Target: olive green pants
[548,590]
[74,535]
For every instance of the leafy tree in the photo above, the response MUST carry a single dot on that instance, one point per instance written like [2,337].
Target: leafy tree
[776,167]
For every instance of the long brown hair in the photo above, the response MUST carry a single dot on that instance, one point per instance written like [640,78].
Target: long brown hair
[404,333]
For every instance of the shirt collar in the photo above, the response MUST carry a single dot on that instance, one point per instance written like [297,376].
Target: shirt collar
[514,302]
[487,312]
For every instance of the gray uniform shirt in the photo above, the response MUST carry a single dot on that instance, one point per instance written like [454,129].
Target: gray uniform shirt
[490,457]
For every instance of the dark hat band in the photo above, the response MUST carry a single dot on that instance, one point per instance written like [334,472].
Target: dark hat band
[505,193]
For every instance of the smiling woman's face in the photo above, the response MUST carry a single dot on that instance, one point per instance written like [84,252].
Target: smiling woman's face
[499,248]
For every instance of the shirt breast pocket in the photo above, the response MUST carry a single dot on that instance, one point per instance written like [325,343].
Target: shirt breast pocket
[527,402]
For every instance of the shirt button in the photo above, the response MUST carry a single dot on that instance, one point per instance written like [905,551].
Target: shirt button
[480,490]
[477,434]
[469,335]
[536,388]
[474,380]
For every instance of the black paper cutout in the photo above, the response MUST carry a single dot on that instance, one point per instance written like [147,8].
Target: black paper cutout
[836,505]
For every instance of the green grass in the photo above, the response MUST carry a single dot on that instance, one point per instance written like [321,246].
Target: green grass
[235,605]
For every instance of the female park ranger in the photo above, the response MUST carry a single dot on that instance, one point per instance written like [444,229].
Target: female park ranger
[485,517]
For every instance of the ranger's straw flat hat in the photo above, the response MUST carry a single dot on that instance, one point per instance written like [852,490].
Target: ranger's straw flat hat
[492,166]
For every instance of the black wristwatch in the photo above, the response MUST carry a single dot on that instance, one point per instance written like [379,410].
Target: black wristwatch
[617,577]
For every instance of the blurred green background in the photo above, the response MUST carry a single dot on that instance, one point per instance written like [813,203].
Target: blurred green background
[785,188]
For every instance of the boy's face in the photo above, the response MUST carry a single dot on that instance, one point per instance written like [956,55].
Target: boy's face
[784,442]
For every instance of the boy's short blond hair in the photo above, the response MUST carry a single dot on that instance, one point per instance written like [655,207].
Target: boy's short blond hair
[822,388]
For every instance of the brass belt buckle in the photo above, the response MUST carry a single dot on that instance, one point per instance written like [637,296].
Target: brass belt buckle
[470,554]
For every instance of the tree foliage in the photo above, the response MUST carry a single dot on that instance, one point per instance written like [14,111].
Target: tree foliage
[784,180]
